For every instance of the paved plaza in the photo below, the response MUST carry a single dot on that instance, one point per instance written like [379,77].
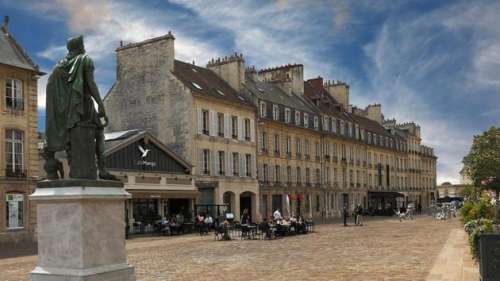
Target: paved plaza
[382,250]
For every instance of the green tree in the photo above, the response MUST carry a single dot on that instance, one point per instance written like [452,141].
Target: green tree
[483,163]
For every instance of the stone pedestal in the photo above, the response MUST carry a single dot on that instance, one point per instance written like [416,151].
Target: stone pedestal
[81,231]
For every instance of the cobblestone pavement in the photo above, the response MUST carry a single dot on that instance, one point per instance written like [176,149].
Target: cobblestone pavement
[381,250]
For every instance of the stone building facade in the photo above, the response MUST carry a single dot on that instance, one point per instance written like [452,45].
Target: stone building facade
[18,140]
[194,112]
[312,151]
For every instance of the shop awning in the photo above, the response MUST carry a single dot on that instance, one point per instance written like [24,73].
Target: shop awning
[137,193]
[384,194]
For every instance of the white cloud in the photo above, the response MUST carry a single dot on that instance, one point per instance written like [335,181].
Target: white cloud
[413,66]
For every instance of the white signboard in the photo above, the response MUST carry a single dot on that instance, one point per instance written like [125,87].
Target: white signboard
[14,202]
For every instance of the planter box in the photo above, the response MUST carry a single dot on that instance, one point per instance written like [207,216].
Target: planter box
[489,267]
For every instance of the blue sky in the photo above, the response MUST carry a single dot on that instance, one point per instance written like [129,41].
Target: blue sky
[434,62]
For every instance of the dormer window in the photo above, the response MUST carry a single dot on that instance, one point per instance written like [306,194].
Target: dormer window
[263,109]
[316,122]
[197,86]
[306,120]
[369,138]
[276,112]
[334,125]
[297,117]
[357,131]
[326,121]
[288,115]
[342,131]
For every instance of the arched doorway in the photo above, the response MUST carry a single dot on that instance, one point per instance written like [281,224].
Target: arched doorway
[228,198]
[247,201]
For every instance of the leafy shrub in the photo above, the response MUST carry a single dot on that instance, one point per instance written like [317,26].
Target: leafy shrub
[474,229]
[477,210]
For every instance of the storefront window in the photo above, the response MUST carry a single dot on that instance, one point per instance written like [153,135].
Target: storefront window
[14,210]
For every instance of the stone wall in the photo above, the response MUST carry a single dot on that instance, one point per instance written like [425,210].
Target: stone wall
[25,120]
[146,95]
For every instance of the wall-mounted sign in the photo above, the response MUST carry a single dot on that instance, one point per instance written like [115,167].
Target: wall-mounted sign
[15,210]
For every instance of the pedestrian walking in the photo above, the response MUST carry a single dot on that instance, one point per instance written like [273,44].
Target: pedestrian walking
[359,216]
[344,213]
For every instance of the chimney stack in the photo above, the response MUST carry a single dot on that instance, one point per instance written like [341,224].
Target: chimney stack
[5,25]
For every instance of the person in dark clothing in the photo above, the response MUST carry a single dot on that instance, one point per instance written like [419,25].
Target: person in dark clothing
[344,213]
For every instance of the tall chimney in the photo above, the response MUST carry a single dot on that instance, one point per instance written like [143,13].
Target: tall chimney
[290,77]
[231,69]
[5,25]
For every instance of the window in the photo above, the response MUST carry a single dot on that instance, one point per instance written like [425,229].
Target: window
[220,124]
[306,147]
[277,173]
[297,118]
[205,162]
[357,131]
[288,145]
[318,150]
[318,176]
[247,129]
[334,125]
[288,115]
[14,203]
[317,203]
[306,120]
[316,122]
[265,175]
[299,176]
[277,143]
[308,176]
[369,138]
[349,130]
[276,112]
[234,127]
[342,132]
[326,121]
[14,151]
[263,109]
[196,86]
[248,165]
[205,121]
[263,145]
[221,162]
[289,174]
[14,94]
[236,164]
[298,146]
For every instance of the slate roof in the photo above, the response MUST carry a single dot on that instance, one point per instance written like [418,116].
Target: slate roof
[207,82]
[328,104]
[11,53]
[313,90]
[270,92]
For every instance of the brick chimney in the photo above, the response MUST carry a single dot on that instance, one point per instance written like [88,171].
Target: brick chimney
[231,69]
[290,78]
[146,57]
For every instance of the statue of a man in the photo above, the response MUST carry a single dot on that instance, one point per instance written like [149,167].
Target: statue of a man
[72,122]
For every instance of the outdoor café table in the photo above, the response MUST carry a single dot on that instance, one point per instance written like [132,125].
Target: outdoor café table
[248,230]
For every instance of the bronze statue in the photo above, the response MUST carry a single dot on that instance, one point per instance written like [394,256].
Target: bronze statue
[72,122]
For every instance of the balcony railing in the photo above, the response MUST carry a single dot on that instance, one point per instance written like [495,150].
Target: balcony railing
[16,173]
